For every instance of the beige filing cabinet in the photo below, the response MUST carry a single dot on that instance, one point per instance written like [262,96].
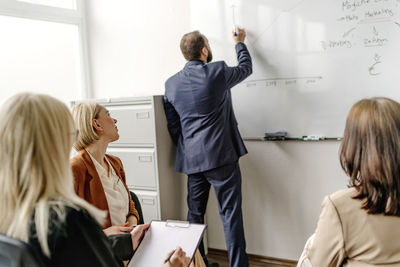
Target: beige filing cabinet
[148,155]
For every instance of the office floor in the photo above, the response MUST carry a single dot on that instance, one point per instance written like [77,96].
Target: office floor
[221,257]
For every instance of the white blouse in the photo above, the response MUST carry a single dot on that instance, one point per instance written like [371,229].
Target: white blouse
[116,193]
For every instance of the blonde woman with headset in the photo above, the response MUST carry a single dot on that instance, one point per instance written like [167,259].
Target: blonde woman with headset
[38,204]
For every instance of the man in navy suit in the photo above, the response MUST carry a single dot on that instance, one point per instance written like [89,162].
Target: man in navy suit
[202,124]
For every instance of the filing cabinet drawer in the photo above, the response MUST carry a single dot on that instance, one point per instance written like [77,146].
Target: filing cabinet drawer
[149,203]
[139,165]
[135,124]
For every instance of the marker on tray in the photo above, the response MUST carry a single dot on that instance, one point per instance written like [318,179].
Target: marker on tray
[312,138]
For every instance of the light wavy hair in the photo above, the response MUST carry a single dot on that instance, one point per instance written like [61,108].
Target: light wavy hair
[36,136]
[84,113]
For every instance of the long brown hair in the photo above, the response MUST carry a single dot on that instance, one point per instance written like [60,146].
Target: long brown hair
[370,154]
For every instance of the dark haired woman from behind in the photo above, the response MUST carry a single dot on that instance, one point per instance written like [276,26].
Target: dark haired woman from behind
[360,226]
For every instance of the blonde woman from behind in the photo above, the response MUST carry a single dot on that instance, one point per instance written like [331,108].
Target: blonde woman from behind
[38,204]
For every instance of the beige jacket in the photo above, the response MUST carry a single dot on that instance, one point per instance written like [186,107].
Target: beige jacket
[347,236]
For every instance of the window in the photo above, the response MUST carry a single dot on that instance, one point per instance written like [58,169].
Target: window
[43,49]
[68,4]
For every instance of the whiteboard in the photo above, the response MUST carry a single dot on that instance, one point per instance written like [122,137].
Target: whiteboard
[312,59]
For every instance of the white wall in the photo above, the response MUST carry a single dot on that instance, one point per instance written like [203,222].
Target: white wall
[134,45]
[283,186]
[134,48]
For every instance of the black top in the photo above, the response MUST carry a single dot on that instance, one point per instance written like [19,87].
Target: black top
[78,240]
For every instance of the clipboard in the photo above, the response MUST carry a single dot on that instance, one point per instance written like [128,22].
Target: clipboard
[163,237]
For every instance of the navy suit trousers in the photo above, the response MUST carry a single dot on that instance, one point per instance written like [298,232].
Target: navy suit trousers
[227,183]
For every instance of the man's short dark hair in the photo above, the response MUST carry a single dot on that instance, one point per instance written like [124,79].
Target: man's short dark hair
[191,45]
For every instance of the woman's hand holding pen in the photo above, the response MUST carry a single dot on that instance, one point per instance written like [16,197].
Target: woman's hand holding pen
[176,258]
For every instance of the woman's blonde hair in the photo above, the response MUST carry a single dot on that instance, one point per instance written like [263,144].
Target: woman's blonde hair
[84,113]
[370,154]
[36,136]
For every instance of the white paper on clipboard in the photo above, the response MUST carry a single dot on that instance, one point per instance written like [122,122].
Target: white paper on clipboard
[163,237]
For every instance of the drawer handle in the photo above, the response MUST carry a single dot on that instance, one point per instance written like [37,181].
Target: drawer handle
[145,158]
[148,201]
[142,115]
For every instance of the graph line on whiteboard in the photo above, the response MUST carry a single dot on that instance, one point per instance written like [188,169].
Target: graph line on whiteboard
[288,81]
[287,78]
[276,19]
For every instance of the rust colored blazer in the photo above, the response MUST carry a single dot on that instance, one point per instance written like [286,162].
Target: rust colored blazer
[88,185]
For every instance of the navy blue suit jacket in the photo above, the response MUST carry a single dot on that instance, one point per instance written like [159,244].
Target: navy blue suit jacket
[200,116]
